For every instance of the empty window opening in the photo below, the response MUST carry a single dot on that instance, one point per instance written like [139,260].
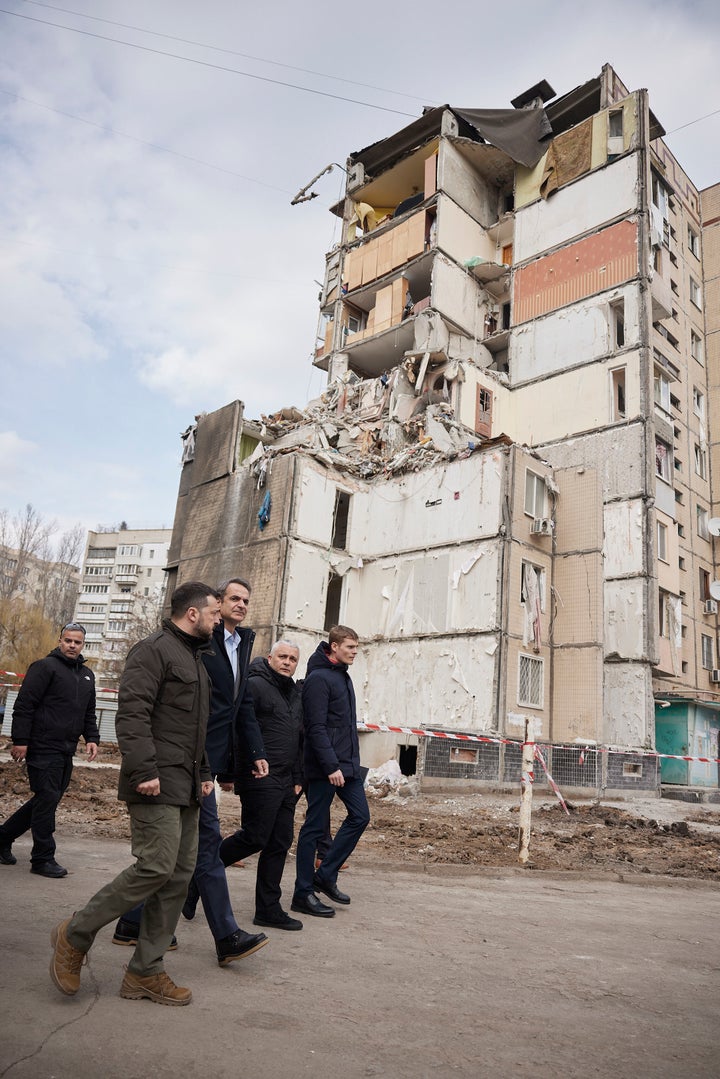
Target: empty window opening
[407,759]
[663,460]
[615,123]
[706,647]
[704,584]
[618,393]
[332,601]
[506,316]
[535,495]
[341,514]
[483,412]
[632,770]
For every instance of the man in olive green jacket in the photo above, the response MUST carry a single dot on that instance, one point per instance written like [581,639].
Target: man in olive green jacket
[163,707]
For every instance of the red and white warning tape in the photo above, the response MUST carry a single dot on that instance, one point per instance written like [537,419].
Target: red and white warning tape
[421,732]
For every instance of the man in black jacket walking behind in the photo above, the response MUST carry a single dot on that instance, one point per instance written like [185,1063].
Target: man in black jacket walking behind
[268,802]
[55,706]
[332,766]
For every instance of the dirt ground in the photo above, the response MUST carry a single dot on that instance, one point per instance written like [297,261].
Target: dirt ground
[465,829]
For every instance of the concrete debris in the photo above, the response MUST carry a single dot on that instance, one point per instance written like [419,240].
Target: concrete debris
[399,422]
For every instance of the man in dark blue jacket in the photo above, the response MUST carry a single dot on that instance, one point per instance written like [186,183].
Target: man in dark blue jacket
[55,706]
[332,766]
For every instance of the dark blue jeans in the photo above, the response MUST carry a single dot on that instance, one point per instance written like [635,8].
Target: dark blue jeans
[320,793]
[49,775]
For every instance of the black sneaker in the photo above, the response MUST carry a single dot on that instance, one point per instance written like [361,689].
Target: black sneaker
[6,856]
[238,945]
[126,933]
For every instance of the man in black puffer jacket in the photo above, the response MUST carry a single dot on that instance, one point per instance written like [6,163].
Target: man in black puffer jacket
[332,766]
[268,802]
[55,706]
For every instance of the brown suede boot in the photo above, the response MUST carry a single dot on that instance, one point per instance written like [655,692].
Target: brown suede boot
[160,988]
[66,961]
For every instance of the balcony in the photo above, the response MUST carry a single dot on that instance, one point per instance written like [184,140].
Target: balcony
[126,578]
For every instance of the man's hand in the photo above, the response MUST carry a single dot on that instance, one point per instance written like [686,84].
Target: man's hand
[298,789]
[337,778]
[260,769]
[150,786]
[19,753]
[207,787]
[226,786]
[92,750]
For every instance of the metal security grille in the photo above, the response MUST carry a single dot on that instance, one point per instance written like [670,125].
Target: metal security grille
[530,681]
[572,767]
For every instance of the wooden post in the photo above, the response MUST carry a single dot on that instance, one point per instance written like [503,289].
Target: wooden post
[526,792]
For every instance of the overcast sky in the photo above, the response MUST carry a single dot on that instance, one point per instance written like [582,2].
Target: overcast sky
[151,265]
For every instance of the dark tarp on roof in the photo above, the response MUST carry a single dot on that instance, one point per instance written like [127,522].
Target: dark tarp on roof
[518,132]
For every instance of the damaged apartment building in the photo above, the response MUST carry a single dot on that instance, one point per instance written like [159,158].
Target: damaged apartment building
[506,486]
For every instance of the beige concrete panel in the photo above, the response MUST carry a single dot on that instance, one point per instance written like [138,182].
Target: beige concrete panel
[459,236]
[448,684]
[578,510]
[216,443]
[457,296]
[602,196]
[668,571]
[577,694]
[625,619]
[527,183]
[618,454]
[629,705]
[624,544]
[578,597]
[568,403]
[314,501]
[421,509]
[438,591]
[305,579]
[465,186]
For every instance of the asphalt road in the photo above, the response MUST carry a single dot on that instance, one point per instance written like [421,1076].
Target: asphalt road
[433,974]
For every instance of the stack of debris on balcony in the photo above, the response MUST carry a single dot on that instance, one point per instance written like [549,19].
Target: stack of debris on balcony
[375,426]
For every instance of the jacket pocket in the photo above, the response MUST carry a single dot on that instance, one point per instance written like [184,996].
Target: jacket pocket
[179,689]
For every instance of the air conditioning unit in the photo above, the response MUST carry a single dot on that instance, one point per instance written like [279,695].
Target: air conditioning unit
[711,606]
[541,526]
[715,675]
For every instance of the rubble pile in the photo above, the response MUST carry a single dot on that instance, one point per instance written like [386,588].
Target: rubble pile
[375,426]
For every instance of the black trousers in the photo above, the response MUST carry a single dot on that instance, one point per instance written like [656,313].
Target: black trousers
[267,822]
[49,775]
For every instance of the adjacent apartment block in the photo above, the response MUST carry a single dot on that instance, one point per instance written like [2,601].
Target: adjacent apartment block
[121,594]
[507,488]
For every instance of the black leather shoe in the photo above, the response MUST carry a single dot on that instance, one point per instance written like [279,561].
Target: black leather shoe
[330,890]
[238,945]
[7,857]
[310,904]
[282,921]
[190,904]
[127,933]
[48,869]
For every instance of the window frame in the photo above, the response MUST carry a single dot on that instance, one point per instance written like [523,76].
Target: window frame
[536,663]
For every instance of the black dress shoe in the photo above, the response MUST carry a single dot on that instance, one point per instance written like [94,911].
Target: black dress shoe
[282,921]
[330,890]
[6,856]
[238,945]
[310,904]
[127,933]
[48,869]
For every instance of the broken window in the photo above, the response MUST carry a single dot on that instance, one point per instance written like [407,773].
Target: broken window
[702,522]
[662,542]
[700,461]
[662,391]
[693,242]
[530,681]
[618,323]
[340,520]
[535,495]
[618,393]
[332,601]
[663,460]
[615,123]
[704,584]
[695,294]
[696,346]
[663,616]
[698,403]
[483,412]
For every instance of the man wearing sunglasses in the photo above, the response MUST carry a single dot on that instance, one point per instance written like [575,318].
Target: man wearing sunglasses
[54,708]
